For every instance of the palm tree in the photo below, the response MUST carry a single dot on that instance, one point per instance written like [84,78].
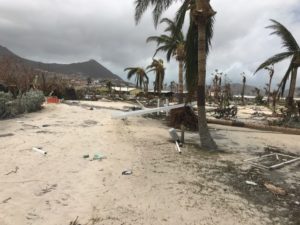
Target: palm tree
[198,43]
[141,77]
[271,73]
[174,45]
[293,52]
[243,88]
[109,86]
[157,66]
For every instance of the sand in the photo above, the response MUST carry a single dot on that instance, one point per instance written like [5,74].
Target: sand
[196,187]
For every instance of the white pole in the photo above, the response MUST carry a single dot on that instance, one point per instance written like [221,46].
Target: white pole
[146,111]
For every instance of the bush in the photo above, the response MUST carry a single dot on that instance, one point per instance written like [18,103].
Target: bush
[30,101]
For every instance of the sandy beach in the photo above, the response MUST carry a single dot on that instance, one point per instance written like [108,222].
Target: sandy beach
[196,187]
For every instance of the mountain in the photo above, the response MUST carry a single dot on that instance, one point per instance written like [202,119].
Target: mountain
[86,69]
[249,90]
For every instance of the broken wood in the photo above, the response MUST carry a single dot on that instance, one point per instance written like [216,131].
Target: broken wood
[6,200]
[275,190]
[284,163]
[13,171]
[236,123]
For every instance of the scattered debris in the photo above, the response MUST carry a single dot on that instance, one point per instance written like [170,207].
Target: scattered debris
[6,135]
[272,161]
[13,171]
[127,172]
[75,222]
[275,190]
[297,203]
[91,108]
[46,125]
[6,200]
[86,156]
[251,183]
[39,149]
[47,189]
[175,138]
[98,157]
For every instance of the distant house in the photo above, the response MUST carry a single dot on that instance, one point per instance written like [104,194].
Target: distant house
[127,90]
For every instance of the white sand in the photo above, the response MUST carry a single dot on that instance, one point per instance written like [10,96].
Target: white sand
[165,187]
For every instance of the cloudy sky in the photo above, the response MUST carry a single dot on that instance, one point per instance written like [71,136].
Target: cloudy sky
[66,31]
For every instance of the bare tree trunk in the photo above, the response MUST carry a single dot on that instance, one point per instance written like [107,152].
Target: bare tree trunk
[205,138]
[290,97]
[269,91]
[243,92]
[180,81]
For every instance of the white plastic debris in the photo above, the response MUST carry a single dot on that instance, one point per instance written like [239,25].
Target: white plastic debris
[39,150]
[251,183]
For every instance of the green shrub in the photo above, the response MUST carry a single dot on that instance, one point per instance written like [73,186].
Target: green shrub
[30,101]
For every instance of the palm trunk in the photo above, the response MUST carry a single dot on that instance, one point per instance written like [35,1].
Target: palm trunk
[243,93]
[205,137]
[269,91]
[180,81]
[290,97]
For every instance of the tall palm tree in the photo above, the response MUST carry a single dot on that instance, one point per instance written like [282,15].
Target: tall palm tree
[198,43]
[271,73]
[141,77]
[243,88]
[293,52]
[174,45]
[157,66]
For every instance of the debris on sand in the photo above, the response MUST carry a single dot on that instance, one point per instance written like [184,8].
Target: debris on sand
[6,200]
[127,172]
[39,150]
[251,183]
[6,135]
[13,171]
[275,190]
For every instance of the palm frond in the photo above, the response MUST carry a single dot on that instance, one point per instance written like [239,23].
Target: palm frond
[288,41]
[209,33]
[274,59]
[180,14]
[140,8]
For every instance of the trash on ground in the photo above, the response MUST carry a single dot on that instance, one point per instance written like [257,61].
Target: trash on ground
[39,150]
[251,183]
[13,171]
[272,161]
[275,190]
[46,125]
[175,138]
[127,172]
[86,156]
[98,157]
[6,135]
[6,200]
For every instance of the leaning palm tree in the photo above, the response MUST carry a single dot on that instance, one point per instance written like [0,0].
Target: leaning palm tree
[198,43]
[293,52]
[157,66]
[174,45]
[141,77]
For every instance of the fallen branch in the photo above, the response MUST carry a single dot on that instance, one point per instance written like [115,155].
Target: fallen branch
[255,126]
[13,171]
[6,200]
